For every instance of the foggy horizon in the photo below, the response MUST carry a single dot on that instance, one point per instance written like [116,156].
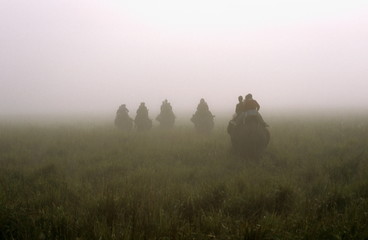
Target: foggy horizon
[89,57]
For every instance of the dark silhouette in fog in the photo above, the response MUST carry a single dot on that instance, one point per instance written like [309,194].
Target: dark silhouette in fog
[251,107]
[247,129]
[239,106]
[122,119]
[203,118]
[142,121]
[248,107]
[166,118]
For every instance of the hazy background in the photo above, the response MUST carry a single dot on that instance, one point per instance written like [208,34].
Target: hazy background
[86,57]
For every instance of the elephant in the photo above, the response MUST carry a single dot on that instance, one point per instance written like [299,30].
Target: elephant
[249,137]
[203,122]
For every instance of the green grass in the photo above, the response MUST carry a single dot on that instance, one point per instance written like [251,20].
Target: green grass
[70,182]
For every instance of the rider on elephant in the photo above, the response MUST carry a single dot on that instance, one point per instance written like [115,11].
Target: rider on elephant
[251,108]
[203,118]
[239,115]
[122,119]
[142,121]
[240,106]
[166,116]
[142,111]
[202,106]
[122,109]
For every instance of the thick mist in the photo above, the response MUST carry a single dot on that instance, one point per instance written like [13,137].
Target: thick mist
[88,57]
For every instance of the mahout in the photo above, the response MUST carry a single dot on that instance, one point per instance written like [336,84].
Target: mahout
[142,120]
[248,131]
[166,118]
[203,119]
[122,119]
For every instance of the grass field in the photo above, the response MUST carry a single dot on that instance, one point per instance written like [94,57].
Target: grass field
[83,182]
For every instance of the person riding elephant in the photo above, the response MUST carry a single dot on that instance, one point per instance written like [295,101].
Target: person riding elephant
[142,120]
[142,111]
[240,106]
[248,131]
[122,109]
[202,106]
[122,119]
[203,118]
[251,108]
[166,116]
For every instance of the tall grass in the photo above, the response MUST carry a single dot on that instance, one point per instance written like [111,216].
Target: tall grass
[72,182]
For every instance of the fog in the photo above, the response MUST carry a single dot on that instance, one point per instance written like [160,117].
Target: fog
[80,57]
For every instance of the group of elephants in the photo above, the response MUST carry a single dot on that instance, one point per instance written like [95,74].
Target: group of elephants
[203,119]
[249,137]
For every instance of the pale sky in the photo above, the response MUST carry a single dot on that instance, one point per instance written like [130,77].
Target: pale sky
[90,56]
